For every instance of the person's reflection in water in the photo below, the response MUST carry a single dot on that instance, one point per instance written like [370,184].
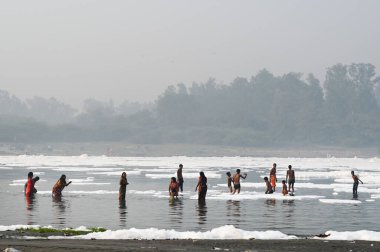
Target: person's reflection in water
[123,212]
[202,212]
[59,206]
[233,211]
[271,202]
[31,203]
[176,212]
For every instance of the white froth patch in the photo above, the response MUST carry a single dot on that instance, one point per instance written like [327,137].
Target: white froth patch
[222,233]
[81,192]
[116,173]
[361,235]
[340,201]
[361,189]
[14,227]
[185,175]
[87,169]
[255,196]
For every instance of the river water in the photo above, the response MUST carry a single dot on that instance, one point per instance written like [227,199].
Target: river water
[323,198]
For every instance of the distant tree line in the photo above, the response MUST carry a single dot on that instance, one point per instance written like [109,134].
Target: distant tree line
[265,110]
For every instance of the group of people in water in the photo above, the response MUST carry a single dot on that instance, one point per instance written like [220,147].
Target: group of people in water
[176,184]
[58,187]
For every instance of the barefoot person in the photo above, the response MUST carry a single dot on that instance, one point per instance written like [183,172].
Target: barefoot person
[236,180]
[290,178]
[229,181]
[173,188]
[284,188]
[29,186]
[59,186]
[123,186]
[273,177]
[201,187]
[356,184]
[180,177]
[269,189]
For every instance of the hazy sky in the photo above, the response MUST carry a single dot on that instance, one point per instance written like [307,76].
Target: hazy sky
[133,50]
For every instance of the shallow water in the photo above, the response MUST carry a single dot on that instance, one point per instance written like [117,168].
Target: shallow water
[323,198]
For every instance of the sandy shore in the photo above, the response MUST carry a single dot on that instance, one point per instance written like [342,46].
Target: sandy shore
[188,245]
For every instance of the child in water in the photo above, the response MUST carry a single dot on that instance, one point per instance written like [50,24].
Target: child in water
[229,181]
[269,186]
[284,188]
[173,188]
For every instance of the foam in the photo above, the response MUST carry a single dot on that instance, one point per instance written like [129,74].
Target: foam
[116,173]
[340,201]
[255,196]
[82,192]
[14,227]
[194,175]
[360,235]
[227,232]
[87,169]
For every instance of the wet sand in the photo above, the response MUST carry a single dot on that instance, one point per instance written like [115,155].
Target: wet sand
[188,245]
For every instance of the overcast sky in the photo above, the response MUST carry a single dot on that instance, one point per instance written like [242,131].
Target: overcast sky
[133,50]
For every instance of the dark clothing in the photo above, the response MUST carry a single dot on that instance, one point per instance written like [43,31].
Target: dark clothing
[123,188]
[202,188]
[180,183]
[237,186]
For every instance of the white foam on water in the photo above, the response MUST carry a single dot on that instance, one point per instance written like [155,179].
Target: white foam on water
[194,175]
[5,168]
[340,201]
[361,189]
[255,196]
[116,173]
[361,235]
[375,196]
[18,226]
[370,200]
[87,169]
[227,232]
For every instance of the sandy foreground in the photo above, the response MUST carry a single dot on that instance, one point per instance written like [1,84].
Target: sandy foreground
[188,245]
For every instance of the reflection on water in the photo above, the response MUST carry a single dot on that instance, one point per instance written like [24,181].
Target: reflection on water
[59,209]
[202,212]
[123,213]
[271,202]
[176,211]
[31,205]
[233,212]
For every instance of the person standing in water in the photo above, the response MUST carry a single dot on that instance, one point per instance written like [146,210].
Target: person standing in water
[180,177]
[202,187]
[273,177]
[236,180]
[123,186]
[29,186]
[290,178]
[229,181]
[173,188]
[356,184]
[59,186]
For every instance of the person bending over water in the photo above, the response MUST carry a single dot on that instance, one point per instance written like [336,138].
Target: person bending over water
[123,186]
[269,186]
[290,178]
[173,188]
[29,186]
[236,180]
[201,187]
[180,177]
[59,186]
[273,177]
[356,184]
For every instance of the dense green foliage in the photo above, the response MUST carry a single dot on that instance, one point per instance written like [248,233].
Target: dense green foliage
[265,110]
